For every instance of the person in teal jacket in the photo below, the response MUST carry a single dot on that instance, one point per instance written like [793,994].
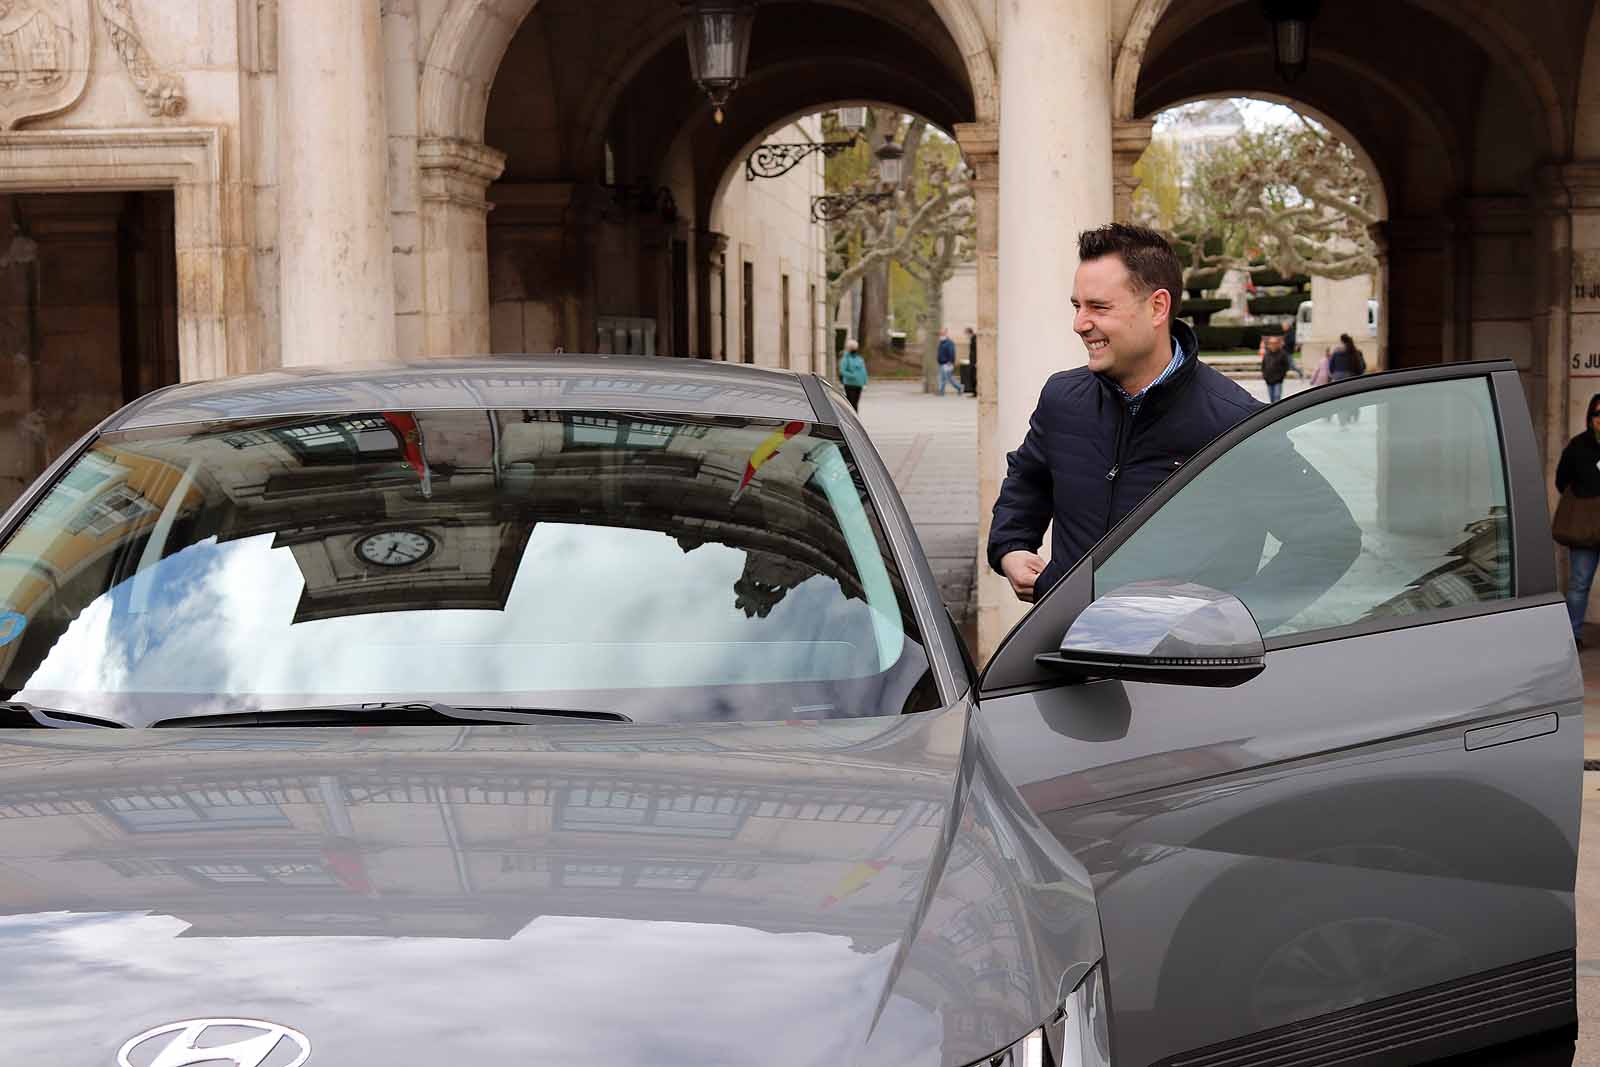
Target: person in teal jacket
[852,373]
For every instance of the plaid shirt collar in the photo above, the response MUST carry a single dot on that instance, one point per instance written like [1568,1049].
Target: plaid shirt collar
[1133,400]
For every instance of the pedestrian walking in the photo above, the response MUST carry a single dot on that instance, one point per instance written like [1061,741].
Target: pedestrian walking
[1577,520]
[852,373]
[1103,436]
[1347,360]
[1323,375]
[969,372]
[947,361]
[1274,366]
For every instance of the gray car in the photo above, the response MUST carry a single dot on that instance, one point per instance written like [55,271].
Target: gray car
[604,710]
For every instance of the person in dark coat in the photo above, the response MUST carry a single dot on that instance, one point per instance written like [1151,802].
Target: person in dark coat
[1347,361]
[1274,366]
[947,361]
[969,373]
[1579,470]
[1106,434]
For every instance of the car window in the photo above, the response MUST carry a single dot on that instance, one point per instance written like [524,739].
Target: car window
[666,568]
[1384,504]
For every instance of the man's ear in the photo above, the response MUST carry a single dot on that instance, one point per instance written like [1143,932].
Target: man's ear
[1161,307]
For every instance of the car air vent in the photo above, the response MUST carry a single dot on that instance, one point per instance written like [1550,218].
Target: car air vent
[1484,1009]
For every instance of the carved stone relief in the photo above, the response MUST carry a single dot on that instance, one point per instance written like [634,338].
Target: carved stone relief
[45,47]
[163,92]
[46,50]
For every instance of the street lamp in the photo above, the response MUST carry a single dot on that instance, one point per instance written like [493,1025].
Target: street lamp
[1291,34]
[891,161]
[891,164]
[719,45]
[853,119]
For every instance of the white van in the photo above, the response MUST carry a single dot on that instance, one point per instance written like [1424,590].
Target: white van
[1302,318]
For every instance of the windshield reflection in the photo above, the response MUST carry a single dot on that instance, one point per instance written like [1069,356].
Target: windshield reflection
[664,568]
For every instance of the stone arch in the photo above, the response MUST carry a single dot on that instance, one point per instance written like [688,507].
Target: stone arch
[1415,101]
[1480,22]
[465,52]
[1586,116]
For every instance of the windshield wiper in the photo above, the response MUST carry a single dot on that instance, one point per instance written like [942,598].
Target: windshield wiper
[20,715]
[388,713]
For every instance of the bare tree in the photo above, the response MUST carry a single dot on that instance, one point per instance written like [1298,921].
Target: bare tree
[926,227]
[1290,198]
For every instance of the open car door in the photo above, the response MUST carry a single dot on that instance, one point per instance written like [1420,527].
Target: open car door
[1312,718]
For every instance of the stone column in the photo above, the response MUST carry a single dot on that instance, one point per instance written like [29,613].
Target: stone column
[1055,180]
[709,245]
[335,262]
[455,244]
[1129,139]
[980,145]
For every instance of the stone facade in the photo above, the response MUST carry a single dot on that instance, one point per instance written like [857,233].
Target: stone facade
[425,177]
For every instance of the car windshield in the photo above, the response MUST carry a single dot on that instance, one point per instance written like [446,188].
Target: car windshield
[664,568]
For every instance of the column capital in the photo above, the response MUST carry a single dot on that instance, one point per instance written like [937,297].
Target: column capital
[708,245]
[458,171]
[1569,186]
[980,146]
[1130,137]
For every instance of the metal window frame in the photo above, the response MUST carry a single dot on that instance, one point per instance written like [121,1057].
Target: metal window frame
[1012,668]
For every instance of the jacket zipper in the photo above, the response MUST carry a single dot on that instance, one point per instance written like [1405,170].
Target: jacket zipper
[1124,423]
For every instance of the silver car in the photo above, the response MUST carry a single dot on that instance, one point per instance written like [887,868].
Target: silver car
[604,710]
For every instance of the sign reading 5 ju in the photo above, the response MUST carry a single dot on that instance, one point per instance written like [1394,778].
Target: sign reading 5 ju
[12,623]
[1585,358]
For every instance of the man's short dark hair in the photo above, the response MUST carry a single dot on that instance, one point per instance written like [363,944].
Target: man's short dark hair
[1348,343]
[1149,258]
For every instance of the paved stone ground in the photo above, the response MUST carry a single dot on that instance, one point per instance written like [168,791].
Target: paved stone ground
[930,445]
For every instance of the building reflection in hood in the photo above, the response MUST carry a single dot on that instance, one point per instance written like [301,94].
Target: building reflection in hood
[473,834]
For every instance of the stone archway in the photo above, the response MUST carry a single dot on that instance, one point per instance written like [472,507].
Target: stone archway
[1479,21]
[456,167]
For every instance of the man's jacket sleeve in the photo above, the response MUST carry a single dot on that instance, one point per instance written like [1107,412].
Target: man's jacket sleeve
[1026,501]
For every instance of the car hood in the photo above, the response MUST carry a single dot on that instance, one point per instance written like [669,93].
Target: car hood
[864,891]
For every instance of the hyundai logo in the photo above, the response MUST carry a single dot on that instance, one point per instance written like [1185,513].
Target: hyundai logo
[230,1042]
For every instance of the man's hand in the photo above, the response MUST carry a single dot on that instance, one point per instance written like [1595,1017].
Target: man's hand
[1022,569]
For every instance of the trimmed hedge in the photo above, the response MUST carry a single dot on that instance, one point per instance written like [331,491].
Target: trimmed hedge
[1200,281]
[1272,277]
[1202,310]
[1277,305]
[1216,338]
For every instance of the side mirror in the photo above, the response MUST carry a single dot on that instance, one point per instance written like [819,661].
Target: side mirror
[1163,631]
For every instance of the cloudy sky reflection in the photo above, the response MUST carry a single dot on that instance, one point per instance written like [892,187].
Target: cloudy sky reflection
[590,607]
[597,989]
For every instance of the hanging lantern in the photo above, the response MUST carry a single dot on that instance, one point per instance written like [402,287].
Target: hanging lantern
[891,161]
[853,119]
[1291,34]
[719,46]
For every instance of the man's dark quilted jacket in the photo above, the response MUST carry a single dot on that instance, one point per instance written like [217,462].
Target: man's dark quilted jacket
[1085,463]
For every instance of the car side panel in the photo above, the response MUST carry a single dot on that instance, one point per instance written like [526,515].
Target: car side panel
[1258,869]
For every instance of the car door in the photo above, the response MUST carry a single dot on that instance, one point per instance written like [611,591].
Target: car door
[1366,852]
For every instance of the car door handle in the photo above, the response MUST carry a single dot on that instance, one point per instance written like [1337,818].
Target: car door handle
[1503,733]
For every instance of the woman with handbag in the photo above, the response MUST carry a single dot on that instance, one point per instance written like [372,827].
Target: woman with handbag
[1577,520]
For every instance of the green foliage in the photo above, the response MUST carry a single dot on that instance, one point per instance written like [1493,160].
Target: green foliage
[1160,172]
[1202,310]
[1270,277]
[1220,338]
[1289,197]
[1199,281]
[1276,305]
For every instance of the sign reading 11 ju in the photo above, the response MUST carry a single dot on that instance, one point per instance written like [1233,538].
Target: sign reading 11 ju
[1584,361]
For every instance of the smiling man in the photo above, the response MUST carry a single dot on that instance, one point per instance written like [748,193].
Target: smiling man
[1106,434]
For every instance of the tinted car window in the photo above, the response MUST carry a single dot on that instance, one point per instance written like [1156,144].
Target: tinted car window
[665,568]
[1383,504]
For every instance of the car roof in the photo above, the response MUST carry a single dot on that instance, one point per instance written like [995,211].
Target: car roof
[656,384]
